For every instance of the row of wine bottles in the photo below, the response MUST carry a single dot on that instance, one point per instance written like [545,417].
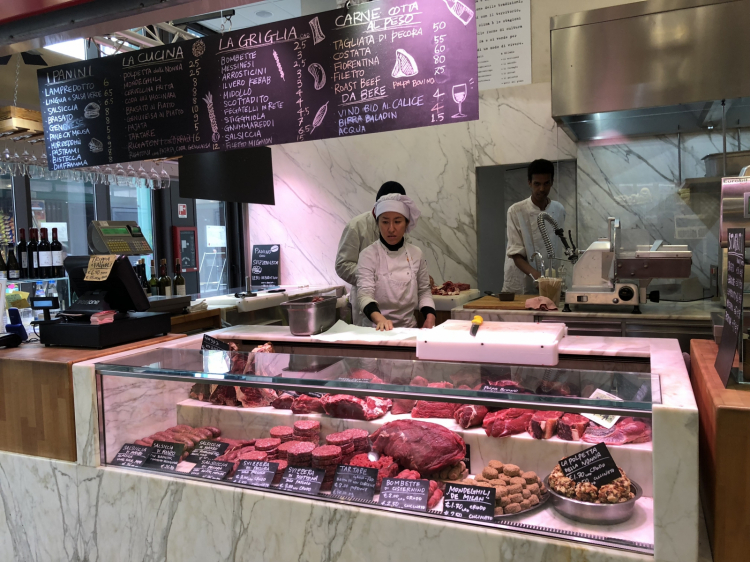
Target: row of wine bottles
[163,285]
[39,259]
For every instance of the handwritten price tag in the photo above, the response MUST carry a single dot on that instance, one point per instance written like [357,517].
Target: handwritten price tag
[594,465]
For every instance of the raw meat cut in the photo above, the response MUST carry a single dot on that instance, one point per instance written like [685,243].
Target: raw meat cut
[507,422]
[404,406]
[238,361]
[284,402]
[626,430]
[571,427]
[255,397]
[224,396]
[366,375]
[470,415]
[353,408]
[385,466]
[543,425]
[429,409]
[305,404]
[450,288]
[417,445]
[200,392]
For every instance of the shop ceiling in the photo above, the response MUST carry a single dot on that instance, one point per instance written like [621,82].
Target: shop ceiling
[656,67]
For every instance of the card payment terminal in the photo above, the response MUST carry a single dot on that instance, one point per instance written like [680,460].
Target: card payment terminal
[123,238]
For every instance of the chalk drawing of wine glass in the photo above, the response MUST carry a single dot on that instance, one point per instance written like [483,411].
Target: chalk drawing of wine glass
[459,95]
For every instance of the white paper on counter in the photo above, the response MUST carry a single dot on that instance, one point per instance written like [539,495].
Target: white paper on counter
[341,331]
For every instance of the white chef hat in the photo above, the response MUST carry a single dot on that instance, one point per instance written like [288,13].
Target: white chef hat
[398,203]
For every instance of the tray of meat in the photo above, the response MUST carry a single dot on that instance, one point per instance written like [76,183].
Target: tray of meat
[448,299]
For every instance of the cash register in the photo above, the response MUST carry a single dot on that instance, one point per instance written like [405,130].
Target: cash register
[120,291]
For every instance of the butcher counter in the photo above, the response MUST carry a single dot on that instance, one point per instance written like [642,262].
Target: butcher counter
[92,510]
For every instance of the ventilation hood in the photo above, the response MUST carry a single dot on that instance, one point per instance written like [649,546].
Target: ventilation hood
[655,67]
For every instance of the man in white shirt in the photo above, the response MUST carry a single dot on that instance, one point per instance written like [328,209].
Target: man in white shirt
[524,237]
[358,234]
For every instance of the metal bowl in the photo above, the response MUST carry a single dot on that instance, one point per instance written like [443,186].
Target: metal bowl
[595,513]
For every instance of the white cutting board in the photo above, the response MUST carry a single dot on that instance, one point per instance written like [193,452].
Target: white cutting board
[519,343]
[449,302]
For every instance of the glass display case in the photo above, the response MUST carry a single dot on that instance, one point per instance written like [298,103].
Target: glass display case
[477,444]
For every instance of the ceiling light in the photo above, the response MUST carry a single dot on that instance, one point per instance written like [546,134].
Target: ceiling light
[264,14]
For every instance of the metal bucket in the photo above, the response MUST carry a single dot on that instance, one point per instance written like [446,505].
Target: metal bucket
[595,513]
[307,318]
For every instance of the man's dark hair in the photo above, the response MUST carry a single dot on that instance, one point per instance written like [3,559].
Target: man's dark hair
[542,167]
[390,187]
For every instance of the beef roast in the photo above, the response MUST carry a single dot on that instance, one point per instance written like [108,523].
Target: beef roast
[402,406]
[417,445]
[543,425]
[284,401]
[224,395]
[626,430]
[507,422]
[305,404]
[366,375]
[255,397]
[200,392]
[354,408]
[430,409]
[571,427]
[470,415]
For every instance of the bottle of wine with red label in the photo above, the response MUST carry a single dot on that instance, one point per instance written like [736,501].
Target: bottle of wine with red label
[57,256]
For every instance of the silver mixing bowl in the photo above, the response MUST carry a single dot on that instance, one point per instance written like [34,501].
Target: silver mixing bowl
[595,513]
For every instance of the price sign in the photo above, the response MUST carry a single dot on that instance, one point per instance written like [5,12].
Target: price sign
[99,268]
[594,465]
[207,450]
[302,480]
[730,334]
[404,494]
[256,473]
[212,470]
[164,455]
[499,389]
[355,482]
[131,455]
[476,503]
[214,344]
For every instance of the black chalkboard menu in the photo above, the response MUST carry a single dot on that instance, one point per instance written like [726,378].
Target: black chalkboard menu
[594,465]
[264,269]
[733,316]
[372,67]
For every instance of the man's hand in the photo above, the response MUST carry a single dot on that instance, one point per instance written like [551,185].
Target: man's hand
[429,322]
[382,324]
[525,266]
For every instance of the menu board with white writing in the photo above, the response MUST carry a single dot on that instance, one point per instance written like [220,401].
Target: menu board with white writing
[377,66]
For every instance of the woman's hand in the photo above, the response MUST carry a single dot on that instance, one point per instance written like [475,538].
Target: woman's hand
[382,324]
[429,322]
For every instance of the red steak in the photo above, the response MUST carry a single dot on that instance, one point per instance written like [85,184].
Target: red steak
[353,408]
[224,396]
[200,392]
[366,375]
[543,425]
[255,397]
[429,409]
[305,404]
[571,427]
[507,422]
[284,402]
[417,445]
[626,430]
[470,415]
[405,406]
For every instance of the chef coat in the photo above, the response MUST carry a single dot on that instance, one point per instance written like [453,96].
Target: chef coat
[524,238]
[361,231]
[397,280]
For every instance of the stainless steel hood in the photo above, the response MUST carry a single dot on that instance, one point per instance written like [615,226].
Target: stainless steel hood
[655,67]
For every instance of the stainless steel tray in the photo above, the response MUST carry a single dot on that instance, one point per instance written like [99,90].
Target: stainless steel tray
[595,513]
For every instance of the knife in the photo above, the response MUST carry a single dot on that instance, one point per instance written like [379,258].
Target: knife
[478,321]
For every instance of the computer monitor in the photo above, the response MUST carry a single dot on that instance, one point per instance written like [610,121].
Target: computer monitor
[121,291]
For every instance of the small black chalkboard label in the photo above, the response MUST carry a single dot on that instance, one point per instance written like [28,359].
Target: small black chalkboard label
[207,450]
[212,470]
[256,473]
[594,465]
[405,494]
[302,480]
[475,503]
[264,270]
[498,389]
[131,455]
[730,334]
[164,455]
[355,482]
[214,344]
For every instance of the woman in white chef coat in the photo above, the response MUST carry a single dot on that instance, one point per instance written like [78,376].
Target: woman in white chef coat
[392,277]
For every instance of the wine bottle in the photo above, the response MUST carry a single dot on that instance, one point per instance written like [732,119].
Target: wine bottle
[22,255]
[45,255]
[165,283]
[3,268]
[179,280]
[144,278]
[57,256]
[32,250]
[14,270]
[153,282]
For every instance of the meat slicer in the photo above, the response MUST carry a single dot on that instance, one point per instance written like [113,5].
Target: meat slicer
[606,275]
